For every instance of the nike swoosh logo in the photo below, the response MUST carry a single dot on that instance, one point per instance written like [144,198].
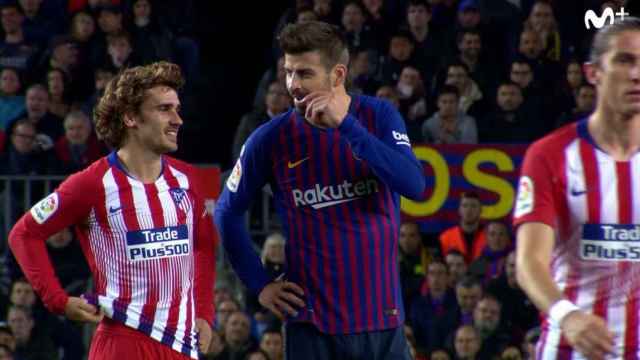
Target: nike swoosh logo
[575,192]
[114,209]
[292,165]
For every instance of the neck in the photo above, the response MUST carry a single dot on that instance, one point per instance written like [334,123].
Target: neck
[420,32]
[471,61]
[616,133]
[437,294]
[469,227]
[447,117]
[140,162]
[57,64]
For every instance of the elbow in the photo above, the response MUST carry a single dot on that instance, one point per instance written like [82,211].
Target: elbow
[415,191]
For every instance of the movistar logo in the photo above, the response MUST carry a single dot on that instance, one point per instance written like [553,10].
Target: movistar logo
[319,197]
[607,16]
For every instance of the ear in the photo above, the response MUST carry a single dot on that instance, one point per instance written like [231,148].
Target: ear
[339,75]
[592,73]
[129,120]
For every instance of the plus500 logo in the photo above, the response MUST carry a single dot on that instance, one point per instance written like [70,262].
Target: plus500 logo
[158,243]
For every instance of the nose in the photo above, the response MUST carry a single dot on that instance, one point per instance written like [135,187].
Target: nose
[293,83]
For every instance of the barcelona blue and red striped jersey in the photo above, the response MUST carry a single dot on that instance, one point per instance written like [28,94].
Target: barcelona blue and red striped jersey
[149,245]
[337,194]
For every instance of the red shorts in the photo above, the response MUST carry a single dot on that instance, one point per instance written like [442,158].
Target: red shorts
[115,341]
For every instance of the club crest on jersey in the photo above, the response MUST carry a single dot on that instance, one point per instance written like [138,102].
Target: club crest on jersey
[45,208]
[177,195]
[524,202]
[610,242]
[158,243]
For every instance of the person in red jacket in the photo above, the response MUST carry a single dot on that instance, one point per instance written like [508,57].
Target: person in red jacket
[468,237]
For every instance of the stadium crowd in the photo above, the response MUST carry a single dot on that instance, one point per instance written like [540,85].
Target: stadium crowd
[468,71]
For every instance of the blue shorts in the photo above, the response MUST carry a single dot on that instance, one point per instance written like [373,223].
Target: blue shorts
[303,341]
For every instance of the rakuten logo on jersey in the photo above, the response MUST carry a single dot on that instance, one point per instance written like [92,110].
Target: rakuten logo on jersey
[401,139]
[319,197]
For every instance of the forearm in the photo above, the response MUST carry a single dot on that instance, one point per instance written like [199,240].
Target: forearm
[402,173]
[205,275]
[536,281]
[31,254]
[237,244]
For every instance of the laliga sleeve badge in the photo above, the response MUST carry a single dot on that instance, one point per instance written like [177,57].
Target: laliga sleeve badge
[524,202]
[45,208]
[236,174]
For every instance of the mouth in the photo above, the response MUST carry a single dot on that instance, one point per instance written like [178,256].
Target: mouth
[172,134]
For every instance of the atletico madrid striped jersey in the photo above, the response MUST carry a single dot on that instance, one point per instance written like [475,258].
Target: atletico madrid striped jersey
[336,193]
[149,246]
[593,203]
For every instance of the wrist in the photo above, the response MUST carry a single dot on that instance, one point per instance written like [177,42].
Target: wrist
[560,309]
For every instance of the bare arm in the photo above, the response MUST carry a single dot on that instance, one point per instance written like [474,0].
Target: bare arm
[535,243]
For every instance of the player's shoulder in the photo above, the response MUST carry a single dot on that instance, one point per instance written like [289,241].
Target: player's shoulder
[92,174]
[554,143]
[178,164]
[266,132]
[372,102]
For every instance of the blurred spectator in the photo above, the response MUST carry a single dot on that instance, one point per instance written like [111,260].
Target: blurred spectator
[470,95]
[110,19]
[567,88]
[69,262]
[482,69]
[487,320]
[468,236]
[6,335]
[272,343]
[389,93]
[24,156]
[467,343]
[413,260]
[449,125]
[518,311]
[57,85]
[585,101]
[379,17]
[510,352]
[89,5]
[17,48]
[456,267]
[79,146]
[530,46]
[510,122]
[275,73]
[102,75]
[428,310]
[12,103]
[413,102]
[491,262]
[120,50]
[151,40]
[468,293]
[542,20]
[223,312]
[327,11]
[358,34]
[64,54]
[277,100]
[48,126]
[361,79]
[42,22]
[83,31]
[236,335]
[6,353]
[440,354]
[400,54]
[31,342]
[427,39]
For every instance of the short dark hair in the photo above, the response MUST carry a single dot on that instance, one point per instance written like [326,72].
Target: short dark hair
[449,89]
[416,3]
[602,40]
[468,281]
[458,63]
[470,195]
[455,252]
[464,32]
[508,83]
[327,39]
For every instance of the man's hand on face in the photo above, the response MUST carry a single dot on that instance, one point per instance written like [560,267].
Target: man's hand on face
[326,109]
